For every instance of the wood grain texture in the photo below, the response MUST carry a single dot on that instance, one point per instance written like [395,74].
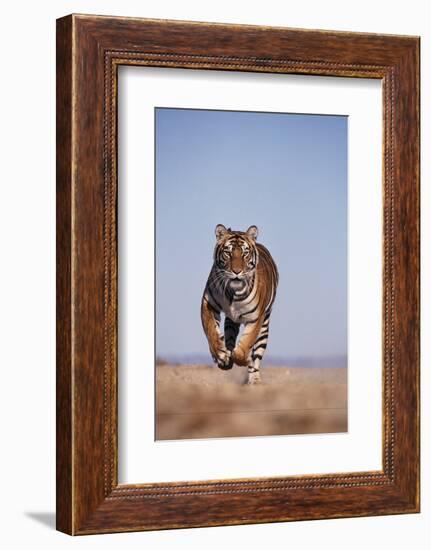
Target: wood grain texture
[64,496]
[90,49]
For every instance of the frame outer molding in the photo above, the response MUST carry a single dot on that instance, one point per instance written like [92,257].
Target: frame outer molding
[64,461]
[89,50]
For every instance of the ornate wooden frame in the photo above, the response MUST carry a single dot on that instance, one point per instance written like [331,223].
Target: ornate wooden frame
[89,51]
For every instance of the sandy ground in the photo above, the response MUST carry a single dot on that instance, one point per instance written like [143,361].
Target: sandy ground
[202,401]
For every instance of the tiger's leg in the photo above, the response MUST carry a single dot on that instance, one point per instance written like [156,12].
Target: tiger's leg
[254,372]
[231,330]
[211,324]
[258,353]
[242,353]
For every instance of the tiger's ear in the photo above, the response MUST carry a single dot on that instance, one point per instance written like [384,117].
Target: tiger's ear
[252,232]
[220,231]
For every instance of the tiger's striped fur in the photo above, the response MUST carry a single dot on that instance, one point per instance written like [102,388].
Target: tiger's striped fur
[242,284]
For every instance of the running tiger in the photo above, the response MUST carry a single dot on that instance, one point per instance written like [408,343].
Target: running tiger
[242,284]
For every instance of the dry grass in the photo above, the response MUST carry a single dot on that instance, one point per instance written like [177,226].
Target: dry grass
[201,401]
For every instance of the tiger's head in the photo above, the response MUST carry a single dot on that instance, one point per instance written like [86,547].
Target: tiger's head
[236,255]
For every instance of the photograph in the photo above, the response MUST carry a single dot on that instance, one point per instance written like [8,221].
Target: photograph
[251,309]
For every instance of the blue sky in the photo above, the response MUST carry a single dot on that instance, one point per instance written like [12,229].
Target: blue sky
[285,173]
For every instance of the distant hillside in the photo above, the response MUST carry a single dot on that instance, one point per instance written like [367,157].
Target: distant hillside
[205,359]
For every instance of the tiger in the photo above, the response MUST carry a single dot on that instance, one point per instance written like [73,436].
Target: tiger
[242,284]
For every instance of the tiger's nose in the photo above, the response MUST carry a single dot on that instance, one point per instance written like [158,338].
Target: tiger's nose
[236,270]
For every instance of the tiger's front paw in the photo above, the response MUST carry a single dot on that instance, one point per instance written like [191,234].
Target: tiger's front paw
[224,359]
[240,357]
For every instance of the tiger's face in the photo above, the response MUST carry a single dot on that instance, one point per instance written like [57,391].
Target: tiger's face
[236,255]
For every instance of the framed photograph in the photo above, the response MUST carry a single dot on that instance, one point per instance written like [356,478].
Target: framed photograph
[237,274]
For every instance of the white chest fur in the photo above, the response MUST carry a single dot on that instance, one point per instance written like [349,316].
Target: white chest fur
[241,311]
